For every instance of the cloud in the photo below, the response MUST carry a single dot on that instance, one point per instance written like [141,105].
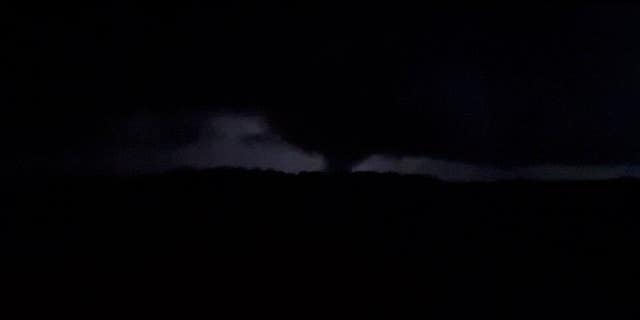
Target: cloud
[446,170]
[556,89]
[459,171]
[244,141]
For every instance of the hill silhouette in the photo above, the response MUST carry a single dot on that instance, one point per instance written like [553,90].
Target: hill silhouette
[542,248]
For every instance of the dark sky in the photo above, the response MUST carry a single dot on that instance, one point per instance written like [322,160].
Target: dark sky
[501,90]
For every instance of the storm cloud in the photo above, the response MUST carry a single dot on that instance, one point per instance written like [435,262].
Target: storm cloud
[532,86]
[495,86]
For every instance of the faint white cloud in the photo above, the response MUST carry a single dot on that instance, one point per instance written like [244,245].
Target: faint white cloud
[244,141]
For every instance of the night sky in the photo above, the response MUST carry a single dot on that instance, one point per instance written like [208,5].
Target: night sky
[459,91]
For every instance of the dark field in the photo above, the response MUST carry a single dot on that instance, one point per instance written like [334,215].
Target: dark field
[255,241]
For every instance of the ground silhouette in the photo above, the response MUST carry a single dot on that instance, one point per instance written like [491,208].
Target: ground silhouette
[512,249]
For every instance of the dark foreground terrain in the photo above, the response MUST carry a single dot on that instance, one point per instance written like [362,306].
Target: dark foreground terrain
[257,242]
